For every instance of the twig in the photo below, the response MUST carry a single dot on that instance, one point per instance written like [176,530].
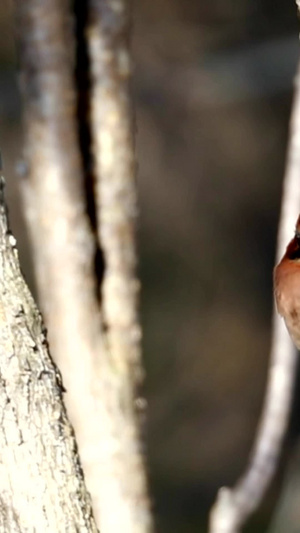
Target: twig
[233,506]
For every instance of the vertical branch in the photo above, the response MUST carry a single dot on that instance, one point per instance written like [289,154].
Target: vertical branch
[113,148]
[63,244]
[41,483]
[115,168]
[234,506]
[100,361]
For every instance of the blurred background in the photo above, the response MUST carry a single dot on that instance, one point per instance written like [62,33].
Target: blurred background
[213,91]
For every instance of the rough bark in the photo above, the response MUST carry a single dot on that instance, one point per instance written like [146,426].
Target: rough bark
[41,480]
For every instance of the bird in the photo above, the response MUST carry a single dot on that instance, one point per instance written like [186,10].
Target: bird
[287,286]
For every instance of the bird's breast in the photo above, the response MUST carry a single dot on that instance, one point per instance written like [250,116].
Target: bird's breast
[287,296]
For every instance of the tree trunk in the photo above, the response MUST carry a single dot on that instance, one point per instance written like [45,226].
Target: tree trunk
[94,331]
[41,479]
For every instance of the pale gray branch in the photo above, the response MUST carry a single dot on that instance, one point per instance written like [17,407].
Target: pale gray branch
[99,356]
[41,480]
[63,244]
[113,149]
[233,506]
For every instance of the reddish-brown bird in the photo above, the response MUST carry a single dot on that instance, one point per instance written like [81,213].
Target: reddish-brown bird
[287,286]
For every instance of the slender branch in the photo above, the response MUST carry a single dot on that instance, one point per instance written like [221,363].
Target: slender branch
[233,506]
[63,244]
[41,481]
[99,356]
[113,148]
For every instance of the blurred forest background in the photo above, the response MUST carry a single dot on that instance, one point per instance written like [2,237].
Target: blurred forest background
[213,88]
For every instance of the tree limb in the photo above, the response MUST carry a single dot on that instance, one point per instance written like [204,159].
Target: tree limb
[113,150]
[63,244]
[234,506]
[41,480]
[99,356]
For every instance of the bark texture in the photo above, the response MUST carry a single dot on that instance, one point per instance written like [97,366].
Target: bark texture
[96,346]
[41,480]
[63,243]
